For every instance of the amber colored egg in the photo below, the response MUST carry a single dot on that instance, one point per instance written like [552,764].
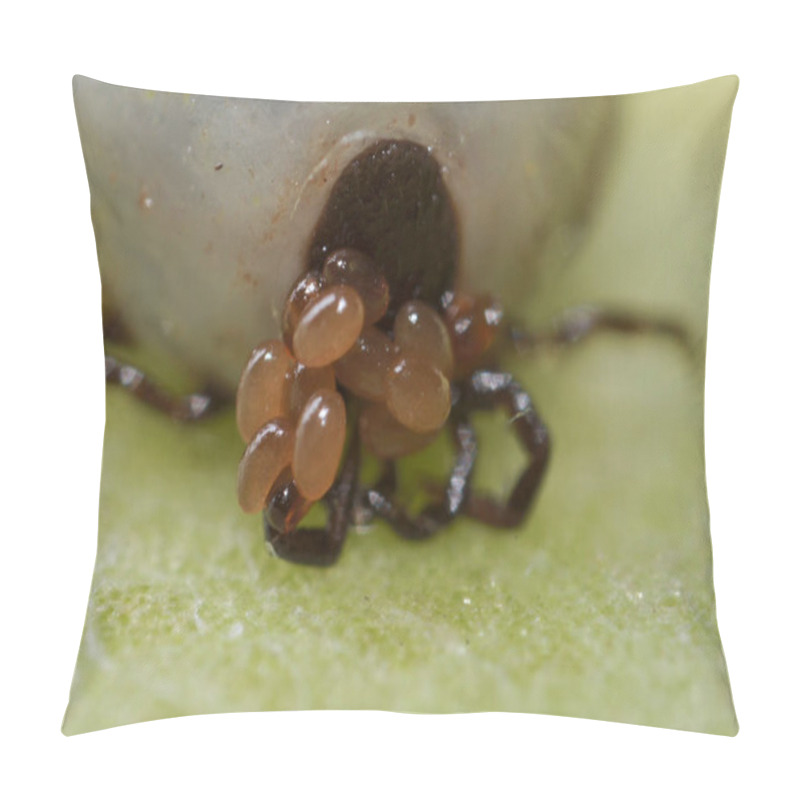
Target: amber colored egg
[473,323]
[305,381]
[263,387]
[319,443]
[285,506]
[418,395]
[354,268]
[328,327]
[387,439]
[265,458]
[364,367]
[420,331]
[305,289]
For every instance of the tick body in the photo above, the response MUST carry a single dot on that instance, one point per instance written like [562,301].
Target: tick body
[354,267]
[377,308]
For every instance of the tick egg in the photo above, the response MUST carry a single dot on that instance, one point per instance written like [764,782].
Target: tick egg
[418,395]
[473,325]
[285,506]
[353,268]
[319,443]
[305,381]
[263,461]
[304,291]
[420,332]
[262,393]
[328,326]
[386,438]
[364,368]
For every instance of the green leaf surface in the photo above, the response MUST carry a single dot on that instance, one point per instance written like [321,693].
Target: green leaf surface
[600,606]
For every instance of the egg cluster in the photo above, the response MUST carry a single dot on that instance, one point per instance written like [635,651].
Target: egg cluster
[288,408]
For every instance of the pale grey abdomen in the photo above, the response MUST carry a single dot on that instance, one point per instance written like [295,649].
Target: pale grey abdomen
[204,207]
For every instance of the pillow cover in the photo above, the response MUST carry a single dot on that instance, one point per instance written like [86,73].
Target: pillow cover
[600,602]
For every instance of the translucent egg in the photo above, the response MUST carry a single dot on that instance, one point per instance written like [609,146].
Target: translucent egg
[263,387]
[386,438]
[319,443]
[305,381]
[419,331]
[364,368]
[265,458]
[305,289]
[353,268]
[285,506]
[473,323]
[328,326]
[418,395]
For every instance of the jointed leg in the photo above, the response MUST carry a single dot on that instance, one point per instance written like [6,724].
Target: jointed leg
[186,408]
[577,324]
[489,389]
[382,503]
[313,546]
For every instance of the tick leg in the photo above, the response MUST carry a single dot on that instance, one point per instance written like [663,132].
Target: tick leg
[576,324]
[382,503]
[486,390]
[186,408]
[318,547]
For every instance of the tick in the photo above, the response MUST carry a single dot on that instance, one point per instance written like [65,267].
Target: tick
[382,351]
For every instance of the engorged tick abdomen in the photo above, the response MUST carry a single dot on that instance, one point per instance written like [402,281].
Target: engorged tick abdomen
[391,203]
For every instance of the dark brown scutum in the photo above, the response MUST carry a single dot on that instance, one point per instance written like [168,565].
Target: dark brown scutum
[391,203]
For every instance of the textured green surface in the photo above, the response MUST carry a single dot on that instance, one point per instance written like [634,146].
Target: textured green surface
[601,606]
